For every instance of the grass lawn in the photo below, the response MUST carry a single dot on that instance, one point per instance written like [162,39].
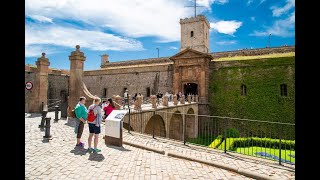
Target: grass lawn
[251,151]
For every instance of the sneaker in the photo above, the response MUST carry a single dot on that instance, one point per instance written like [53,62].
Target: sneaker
[89,150]
[96,150]
[81,144]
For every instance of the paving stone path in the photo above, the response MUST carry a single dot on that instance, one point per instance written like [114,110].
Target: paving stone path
[261,166]
[59,159]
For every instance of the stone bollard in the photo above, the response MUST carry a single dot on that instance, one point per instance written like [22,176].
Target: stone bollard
[113,98]
[138,103]
[56,113]
[153,99]
[189,98]
[118,101]
[175,100]
[43,114]
[182,99]
[165,101]
[47,131]
[129,99]
[196,98]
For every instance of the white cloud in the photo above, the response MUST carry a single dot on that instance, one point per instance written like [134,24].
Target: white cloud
[278,11]
[261,1]
[139,18]
[69,37]
[36,50]
[226,27]
[226,42]
[40,18]
[173,47]
[252,18]
[282,28]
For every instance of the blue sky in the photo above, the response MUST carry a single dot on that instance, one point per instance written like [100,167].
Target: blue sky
[133,29]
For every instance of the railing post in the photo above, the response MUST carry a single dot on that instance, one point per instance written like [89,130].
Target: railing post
[129,121]
[154,113]
[280,144]
[184,129]
[225,140]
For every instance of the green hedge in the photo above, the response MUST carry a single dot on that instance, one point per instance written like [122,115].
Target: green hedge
[233,143]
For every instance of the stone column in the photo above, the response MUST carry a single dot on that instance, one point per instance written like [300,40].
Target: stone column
[189,98]
[182,101]
[40,90]
[196,98]
[153,99]
[113,98]
[129,99]
[118,101]
[192,98]
[76,85]
[175,100]
[165,101]
[138,103]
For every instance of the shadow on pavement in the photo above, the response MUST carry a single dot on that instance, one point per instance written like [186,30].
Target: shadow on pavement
[118,148]
[70,122]
[96,157]
[79,151]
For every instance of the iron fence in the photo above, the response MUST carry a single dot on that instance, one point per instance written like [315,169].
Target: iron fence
[264,139]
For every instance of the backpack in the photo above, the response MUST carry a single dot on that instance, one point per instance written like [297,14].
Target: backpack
[73,113]
[91,116]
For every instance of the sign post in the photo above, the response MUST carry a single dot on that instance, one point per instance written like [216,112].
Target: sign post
[29,86]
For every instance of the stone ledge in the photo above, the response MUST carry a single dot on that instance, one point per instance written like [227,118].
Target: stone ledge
[144,147]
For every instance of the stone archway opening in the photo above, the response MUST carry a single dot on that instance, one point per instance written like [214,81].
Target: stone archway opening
[190,124]
[190,88]
[176,126]
[159,126]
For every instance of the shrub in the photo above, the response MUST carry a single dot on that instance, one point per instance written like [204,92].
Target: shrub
[232,132]
[262,142]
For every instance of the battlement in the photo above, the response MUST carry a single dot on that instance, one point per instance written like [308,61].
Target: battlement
[253,52]
[53,71]
[148,61]
[195,19]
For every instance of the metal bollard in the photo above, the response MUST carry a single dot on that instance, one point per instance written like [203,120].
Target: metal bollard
[56,113]
[47,131]
[44,114]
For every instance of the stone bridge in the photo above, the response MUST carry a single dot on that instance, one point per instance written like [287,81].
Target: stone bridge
[168,121]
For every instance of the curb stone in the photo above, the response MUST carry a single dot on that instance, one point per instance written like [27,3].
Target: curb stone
[145,147]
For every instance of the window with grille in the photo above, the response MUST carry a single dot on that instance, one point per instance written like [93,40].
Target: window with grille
[243,90]
[283,88]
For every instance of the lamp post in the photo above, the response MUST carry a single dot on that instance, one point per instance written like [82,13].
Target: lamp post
[158,52]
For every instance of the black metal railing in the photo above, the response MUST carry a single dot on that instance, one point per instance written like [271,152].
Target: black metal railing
[264,139]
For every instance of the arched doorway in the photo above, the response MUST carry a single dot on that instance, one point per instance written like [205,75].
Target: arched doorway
[190,124]
[190,88]
[176,126]
[159,126]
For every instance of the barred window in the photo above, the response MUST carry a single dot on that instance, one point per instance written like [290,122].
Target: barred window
[243,90]
[283,89]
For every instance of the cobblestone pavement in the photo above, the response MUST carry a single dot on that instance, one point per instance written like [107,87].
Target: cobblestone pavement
[258,165]
[59,159]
